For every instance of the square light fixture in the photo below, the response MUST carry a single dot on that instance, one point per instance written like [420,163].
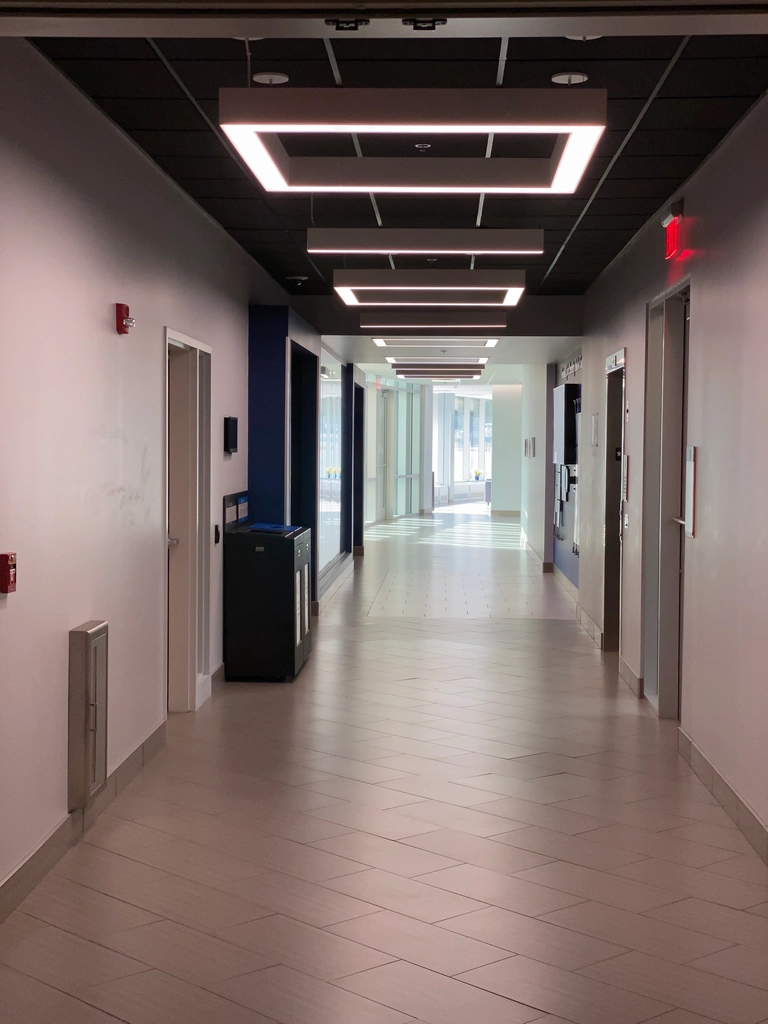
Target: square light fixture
[427,242]
[254,120]
[415,341]
[429,287]
[434,319]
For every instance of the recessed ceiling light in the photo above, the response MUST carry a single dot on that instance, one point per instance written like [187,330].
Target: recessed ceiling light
[483,359]
[297,278]
[422,146]
[431,259]
[492,343]
[390,359]
[254,119]
[427,242]
[270,78]
[570,78]
[583,39]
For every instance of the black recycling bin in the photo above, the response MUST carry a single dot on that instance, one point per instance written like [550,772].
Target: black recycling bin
[267,623]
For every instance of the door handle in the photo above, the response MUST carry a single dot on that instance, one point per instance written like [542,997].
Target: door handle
[173,542]
[680,522]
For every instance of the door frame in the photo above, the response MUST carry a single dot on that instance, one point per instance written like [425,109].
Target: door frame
[664,430]
[188,564]
[615,367]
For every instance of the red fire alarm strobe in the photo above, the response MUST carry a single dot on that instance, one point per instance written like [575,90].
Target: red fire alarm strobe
[671,222]
[123,321]
[8,572]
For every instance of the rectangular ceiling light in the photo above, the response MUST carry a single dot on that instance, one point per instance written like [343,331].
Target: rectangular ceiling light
[434,319]
[428,242]
[254,119]
[433,342]
[429,287]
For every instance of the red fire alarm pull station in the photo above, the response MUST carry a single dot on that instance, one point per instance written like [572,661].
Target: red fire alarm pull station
[7,572]
[123,321]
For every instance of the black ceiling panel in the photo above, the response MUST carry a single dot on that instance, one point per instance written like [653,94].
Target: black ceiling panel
[711,86]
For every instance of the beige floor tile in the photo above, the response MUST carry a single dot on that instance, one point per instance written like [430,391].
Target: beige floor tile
[295,998]
[485,853]
[747,867]
[310,950]
[584,850]
[365,793]
[585,1000]
[685,987]
[623,813]
[403,895]
[426,945]
[425,767]
[187,953]
[361,771]
[397,857]
[550,764]
[389,824]
[304,901]
[761,910]
[295,825]
[598,885]
[154,997]
[684,881]
[486,764]
[435,999]
[82,911]
[23,1000]
[441,790]
[534,938]
[105,871]
[59,958]
[544,790]
[527,812]
[737,926]
[739,963]
[727,838]
[500,890]
[637,931]
[676,1017]
[461,819]
[190,903]
[661,845]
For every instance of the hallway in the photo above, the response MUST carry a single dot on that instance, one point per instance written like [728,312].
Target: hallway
[456,813]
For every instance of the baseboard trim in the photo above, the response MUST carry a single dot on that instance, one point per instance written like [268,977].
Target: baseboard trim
[20,884]
[358,550]
[504,512]
[544,566]
[634,682]
[219,676]
[568,586]
[747,822]
[591,627]
[328,586]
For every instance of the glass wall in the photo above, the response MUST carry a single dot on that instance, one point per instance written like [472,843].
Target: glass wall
[462,437]
[393,449]
[329,515]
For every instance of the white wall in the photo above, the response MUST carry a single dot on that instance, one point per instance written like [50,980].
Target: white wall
[507,447]
[86,221]
[724,696]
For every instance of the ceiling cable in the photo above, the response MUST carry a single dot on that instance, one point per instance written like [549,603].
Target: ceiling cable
[489,147]
[248,62]
[622,146]
[230,149]
[355,140]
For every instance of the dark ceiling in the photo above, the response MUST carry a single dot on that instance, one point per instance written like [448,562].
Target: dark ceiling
[163,93]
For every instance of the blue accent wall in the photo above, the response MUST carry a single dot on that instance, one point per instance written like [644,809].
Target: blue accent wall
[267,374]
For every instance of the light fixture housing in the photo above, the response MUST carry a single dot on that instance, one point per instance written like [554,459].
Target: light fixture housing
[433,319]
[435,241]
[415,341]
[254,119]
[429,287]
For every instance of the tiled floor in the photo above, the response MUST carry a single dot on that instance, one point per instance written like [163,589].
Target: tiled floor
[455,814]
